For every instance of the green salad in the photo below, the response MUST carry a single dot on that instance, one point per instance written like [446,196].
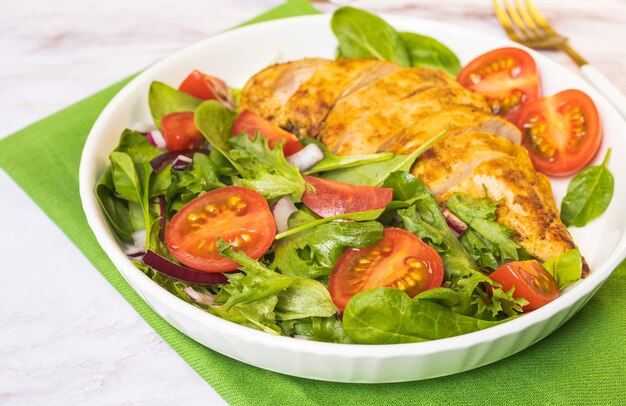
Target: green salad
[244,220]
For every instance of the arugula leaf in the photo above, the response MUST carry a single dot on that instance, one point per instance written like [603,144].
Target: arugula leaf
[588,195]
[313,254]
[333,161]
[364,35]
[358,216]
[430,53]
[566,268]
[164,100]
[262,168]
[491,242]
[374,174]
[390,316]
[115,209]
[137,147]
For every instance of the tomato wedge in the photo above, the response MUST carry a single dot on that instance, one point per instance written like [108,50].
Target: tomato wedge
[180,132]
[400,260]
[562,133]
[249,123]
[530,281]
[507,77]
[206,87]
[330,197]
[238,215]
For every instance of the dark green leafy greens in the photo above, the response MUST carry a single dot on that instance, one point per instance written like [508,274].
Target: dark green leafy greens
[390,316]
[364,35]
[429,53]
[566,268]
[313,252]
[488,242]
[261,167]
[164,100]
[358,216]
[588,195]
[186,185]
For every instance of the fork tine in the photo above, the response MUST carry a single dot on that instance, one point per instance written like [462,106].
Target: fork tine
[538,17]
[530,23]
[505,21]
[517,20]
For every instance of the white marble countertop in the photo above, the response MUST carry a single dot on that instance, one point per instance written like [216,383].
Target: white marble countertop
[66,336]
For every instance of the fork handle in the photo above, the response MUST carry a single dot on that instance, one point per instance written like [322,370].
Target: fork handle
[604,86]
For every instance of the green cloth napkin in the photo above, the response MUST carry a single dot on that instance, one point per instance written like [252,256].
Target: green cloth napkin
[584,362]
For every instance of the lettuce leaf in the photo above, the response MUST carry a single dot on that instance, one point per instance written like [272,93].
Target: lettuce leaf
[566,268]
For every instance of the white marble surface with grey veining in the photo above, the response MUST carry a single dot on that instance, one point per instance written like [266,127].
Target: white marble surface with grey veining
[66,336]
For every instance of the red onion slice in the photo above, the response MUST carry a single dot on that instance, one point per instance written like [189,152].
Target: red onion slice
[283,208]
[457,225]
[181,162]
[155,137]
[160,162]
[306,158]
[182,273]
[199,297]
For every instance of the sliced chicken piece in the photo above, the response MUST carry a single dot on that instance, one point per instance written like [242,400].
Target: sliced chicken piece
[457,119]
[452,159]
[351,111]
[267,92]
[528,206]
[376,129]
[306,109]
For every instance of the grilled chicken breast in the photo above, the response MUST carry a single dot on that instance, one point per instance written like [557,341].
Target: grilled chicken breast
[364,106]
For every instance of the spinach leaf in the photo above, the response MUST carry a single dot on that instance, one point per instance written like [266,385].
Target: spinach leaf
[588,195]
[160,182]
[390,316]
[490,242]
[325,329]
[314,252]
[137,147]
[333,162]
[430,53]
[132,183]
[358,216]
[374,174]
[566,268]
[115,209]
[262,168]
[364,35]
[304,298]
[164,100]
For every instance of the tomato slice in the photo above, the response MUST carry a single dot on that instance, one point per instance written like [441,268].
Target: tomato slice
[180,132]
[530,281]
[249,123]
[562,133]
[400,260]
[238,215]
[507,77]
[205,87]
[330,197]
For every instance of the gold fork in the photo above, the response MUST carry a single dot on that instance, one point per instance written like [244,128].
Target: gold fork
[525,24]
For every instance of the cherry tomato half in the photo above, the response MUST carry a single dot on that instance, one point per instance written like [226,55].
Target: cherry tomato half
[180,132]
[530,281]
[507,77]
[205,87]
[238,215]
[330,197]
[400,260]
[251,123]
[562,133]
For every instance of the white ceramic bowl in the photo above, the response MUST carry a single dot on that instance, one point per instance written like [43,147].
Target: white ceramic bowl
[235,56]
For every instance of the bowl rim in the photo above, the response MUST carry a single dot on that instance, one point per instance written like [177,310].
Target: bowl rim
[109,244]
